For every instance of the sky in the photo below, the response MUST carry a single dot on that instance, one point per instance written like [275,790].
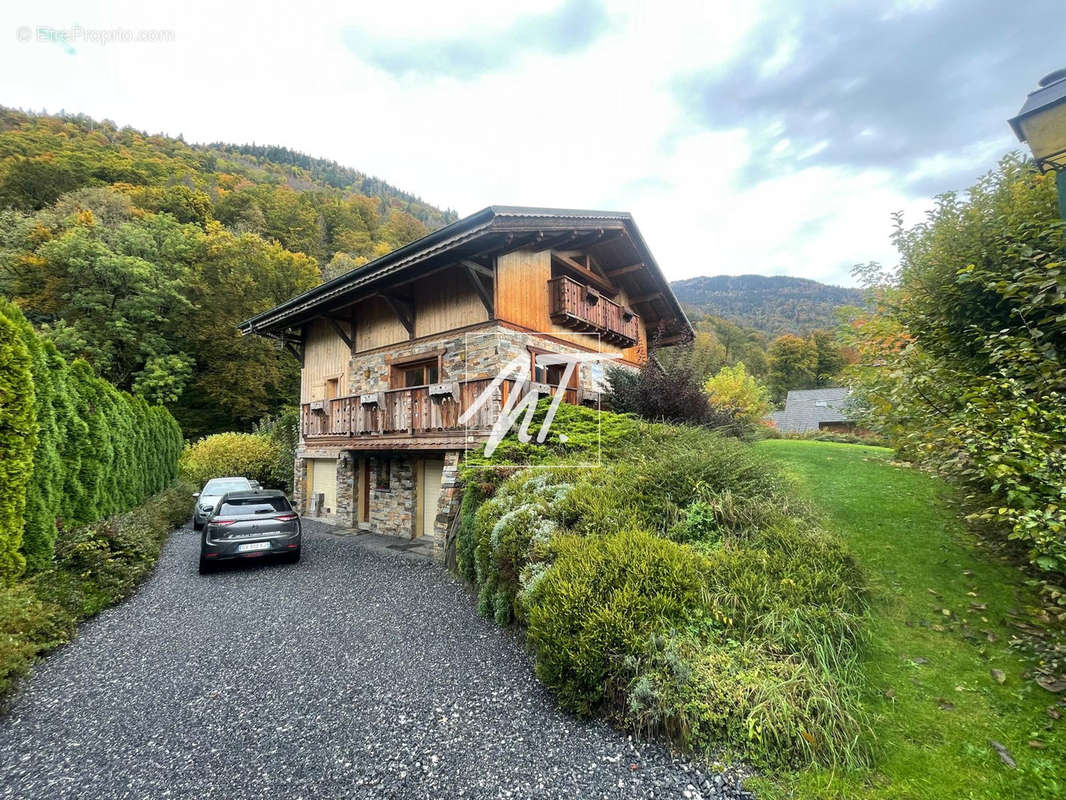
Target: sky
[774,137]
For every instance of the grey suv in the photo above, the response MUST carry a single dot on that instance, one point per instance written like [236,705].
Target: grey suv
[250,524]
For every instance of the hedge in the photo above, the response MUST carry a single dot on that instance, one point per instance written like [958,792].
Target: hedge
[76,449]
[252,455]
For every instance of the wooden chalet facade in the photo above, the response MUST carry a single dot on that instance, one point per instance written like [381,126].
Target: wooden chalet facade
[395,351]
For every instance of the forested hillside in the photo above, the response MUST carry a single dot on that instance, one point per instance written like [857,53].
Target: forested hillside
[772,305]
[140,253]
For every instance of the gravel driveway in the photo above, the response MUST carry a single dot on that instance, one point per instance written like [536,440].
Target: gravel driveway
[357,673]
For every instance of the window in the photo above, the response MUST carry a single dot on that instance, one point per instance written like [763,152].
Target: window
[220,486]
[417,372]
[551,374]
[381,474]
[255,505]
[420,374]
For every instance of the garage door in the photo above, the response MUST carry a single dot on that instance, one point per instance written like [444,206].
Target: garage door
[324,481]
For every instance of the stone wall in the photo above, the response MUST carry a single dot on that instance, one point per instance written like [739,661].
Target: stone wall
[451,496]
[469,355]
[392,510]
[299,485]
[347,507]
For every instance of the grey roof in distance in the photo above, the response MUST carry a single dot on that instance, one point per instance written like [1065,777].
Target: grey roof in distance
[806,409]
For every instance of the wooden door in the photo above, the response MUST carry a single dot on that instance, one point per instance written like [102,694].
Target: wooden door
[364,490]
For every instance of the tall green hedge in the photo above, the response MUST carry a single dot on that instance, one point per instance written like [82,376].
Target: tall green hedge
[75,449]
[18,432]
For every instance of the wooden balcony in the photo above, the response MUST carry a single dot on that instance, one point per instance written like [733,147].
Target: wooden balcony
[585,309]
[404,417]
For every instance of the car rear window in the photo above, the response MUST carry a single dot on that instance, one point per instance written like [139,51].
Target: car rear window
[255,505]
[221,487]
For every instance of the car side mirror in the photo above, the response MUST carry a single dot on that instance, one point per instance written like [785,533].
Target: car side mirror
[195,494]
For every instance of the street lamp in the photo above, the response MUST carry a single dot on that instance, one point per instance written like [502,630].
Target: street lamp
[1041,124]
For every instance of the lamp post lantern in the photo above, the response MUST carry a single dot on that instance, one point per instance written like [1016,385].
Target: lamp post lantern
[1041,123]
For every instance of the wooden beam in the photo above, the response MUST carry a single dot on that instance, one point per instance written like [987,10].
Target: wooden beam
[604,286]
[404,311]
[666,341]
[340,332]
[477,273]
[645,298]
[480,269]
[619,271]
[297,351]
[547,243]
[581,240]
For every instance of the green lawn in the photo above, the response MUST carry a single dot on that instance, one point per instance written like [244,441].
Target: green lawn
[938,627]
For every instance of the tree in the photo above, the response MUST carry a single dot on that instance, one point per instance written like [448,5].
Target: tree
[961,358]
[238,379]
[793,364]
[733,391]
[18,435]
[703,356]
[830,358]
[163,379]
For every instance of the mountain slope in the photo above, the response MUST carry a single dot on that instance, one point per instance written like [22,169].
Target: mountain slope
[773,305]
[308,205]
[140,253]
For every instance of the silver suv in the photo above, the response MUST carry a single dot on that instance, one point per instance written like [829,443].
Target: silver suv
[208,497]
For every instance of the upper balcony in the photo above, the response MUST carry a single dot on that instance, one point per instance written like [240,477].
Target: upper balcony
[585,309]
[418,417]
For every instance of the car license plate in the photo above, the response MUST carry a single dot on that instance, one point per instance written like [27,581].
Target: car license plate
[246,548]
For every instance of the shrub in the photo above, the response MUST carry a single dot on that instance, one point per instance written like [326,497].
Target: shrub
[245,454]
[776,709]
[28,626]
[636,581]
[670,394]
[95,566]
[599,604]
[734,392]
[623,392]
[283,430]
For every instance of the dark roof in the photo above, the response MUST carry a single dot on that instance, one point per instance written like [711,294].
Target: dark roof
[611,236]
[1050,92]
[805,409]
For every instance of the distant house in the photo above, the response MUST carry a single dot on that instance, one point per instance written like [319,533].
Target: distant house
[809,410]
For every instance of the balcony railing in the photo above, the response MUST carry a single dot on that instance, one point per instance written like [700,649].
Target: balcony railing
[412,412]
[585,309]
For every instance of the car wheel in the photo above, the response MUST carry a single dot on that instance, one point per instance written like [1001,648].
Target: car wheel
[294,556]
[207,567]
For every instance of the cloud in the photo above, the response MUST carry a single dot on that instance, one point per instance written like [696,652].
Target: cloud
[570,28]
[906,90]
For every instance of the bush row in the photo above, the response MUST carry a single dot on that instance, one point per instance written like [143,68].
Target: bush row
[677,589]
[75,449]
[95,566]
[248,455]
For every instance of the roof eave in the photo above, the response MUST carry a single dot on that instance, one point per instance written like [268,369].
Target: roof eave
[273,321]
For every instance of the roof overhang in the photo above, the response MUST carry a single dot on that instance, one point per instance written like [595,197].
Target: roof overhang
[490,232]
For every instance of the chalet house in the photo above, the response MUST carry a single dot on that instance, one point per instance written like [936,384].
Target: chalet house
[809,410]
[394,352]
